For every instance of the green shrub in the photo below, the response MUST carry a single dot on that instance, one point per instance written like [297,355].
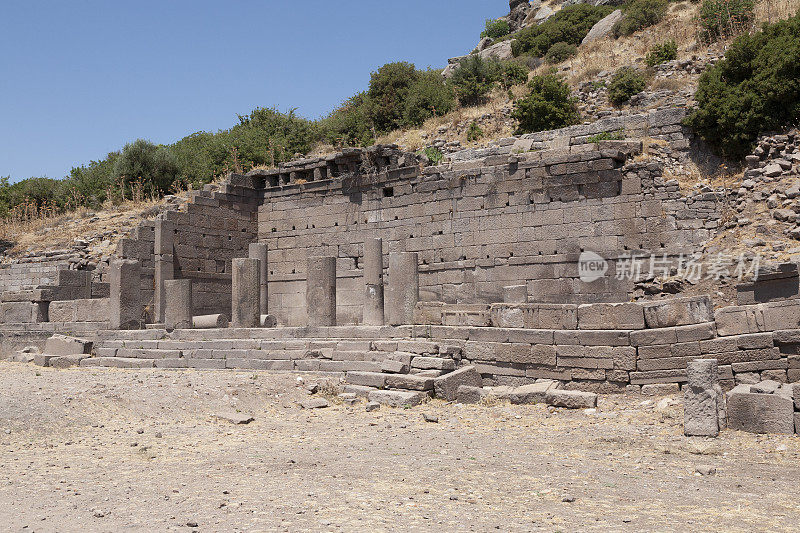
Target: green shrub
[625,83]
[154,165]
[756,88]
[513,74]
[429,96]
[474,132]
[474,78]
[433,154]
[725,18]
[641,14]
[548,106]
[607,136]
[560,52]
[495,29]
[569,25]
[661,53]
[349,124]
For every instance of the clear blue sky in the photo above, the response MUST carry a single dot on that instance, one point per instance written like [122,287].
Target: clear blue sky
[80,78]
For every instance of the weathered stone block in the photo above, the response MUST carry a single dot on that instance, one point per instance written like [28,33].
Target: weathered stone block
[611,316]
[531,393]
[678,312]
[471,394]
[571,399]
[64,345]
[447,386]
[760,413]
[395,398]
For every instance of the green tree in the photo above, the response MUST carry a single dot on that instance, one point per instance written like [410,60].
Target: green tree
[389,88]
[154,164]
[549,105]
[756,88]
[474,78]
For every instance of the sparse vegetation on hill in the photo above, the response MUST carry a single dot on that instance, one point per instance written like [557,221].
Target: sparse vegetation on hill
[569,25]
[640,14]
[755,89]
[626,83]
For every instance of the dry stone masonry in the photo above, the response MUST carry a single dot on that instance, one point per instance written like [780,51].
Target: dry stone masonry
[412,281]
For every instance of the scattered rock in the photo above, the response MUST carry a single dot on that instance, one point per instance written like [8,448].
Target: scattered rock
[430,418]
[372,406]
[316,403]
[234,418]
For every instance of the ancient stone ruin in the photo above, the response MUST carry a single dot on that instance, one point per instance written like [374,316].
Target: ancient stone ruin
[499,267]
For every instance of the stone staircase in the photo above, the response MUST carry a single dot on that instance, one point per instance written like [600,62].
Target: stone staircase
[382,363]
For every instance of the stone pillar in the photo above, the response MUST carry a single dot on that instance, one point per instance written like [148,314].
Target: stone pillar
[373,279]
[164,265]
[703,400]
[178,304]
[125,307]
[259,251]
[321,291]
[403,291]
[245,301]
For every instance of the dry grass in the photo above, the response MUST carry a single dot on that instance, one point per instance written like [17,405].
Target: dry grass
[459,119]
[60,231]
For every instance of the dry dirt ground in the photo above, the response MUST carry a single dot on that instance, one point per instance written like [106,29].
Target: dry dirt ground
[126,450]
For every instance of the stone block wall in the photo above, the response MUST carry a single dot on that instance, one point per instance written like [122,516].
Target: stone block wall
[631,345]
[510,217]
[217,225]
[31,272]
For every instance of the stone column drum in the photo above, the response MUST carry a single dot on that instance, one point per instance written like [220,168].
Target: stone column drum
[321,291]
[178,304]
[403,290]
[246,291]
[703,400]
[259,251]
[125,305]
[373,279]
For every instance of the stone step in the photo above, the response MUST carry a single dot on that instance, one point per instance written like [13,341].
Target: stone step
[118,362]
[398,398]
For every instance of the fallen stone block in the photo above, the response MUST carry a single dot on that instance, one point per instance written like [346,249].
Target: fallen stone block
[315,403]
[358,390]
[470,394]
[760,413]
[571,399]
[409,382]
[67,361]
[64,345]
[43,359]
[678,312]
[394,398]
[531,393]
[446,387]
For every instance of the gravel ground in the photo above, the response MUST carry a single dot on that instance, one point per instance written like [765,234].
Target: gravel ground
[124,450]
